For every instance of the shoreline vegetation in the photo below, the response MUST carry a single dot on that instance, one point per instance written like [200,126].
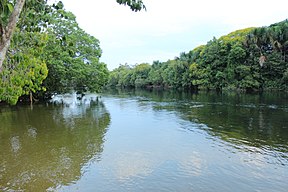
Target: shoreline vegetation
[50,53]
[43,50]
[247,60]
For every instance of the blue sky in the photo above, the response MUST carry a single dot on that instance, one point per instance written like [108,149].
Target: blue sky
[168,27]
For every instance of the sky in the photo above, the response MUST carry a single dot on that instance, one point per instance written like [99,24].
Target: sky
[167,27]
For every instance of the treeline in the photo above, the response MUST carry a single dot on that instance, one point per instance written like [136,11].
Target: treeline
[248,59]
[49,53]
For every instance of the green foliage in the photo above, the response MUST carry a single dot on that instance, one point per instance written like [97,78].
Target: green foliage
[197,75]
[175,73]
[230,62]
[48,38]
[125,76]
[154,76]
[135,5]
[140,75]
[24,71]
[72,56]
[6,8]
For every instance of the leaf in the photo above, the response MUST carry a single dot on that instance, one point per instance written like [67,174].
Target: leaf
[10,7]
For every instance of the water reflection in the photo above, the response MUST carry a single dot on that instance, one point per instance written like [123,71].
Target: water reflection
[193,164]
[178,141]
[157,141]
[132,164]
[50,145]
[256,124]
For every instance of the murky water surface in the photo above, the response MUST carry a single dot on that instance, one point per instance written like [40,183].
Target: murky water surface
[147,141]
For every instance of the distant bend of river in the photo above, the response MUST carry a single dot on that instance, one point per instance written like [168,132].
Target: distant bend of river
[141,140]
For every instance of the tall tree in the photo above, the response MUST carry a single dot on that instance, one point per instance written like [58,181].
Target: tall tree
[72,56]
[46,37]
[11,13]
[24,69]
[7,25]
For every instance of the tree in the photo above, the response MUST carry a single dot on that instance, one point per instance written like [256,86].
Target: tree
[230,62]
[270,43]
[8,22]
[47,38]
[155,74]
[72,56]
[24,70]
[10,16]
[175,74]
[121,76]
[140,74]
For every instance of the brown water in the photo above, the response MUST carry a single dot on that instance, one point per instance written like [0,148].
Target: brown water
[146,141]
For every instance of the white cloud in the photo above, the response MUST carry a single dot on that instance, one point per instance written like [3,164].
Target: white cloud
[184,23]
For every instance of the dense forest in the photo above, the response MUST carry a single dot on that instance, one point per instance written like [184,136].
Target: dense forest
[49,53]
[44,51]
[248,59]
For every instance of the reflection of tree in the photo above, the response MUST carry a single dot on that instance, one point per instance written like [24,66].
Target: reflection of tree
[157,95]
[49,145]
[246,127]
[255,120]
[240,119]
[256,125]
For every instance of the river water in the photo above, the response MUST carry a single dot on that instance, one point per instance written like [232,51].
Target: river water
[147,141]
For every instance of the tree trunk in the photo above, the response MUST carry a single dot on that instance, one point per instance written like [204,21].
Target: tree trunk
[7,32]
[31,98]
[3,50]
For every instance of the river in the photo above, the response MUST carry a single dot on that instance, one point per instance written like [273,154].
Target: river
[140,140]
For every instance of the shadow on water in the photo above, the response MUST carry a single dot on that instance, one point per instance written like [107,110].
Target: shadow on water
[49,145]
[256,123]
